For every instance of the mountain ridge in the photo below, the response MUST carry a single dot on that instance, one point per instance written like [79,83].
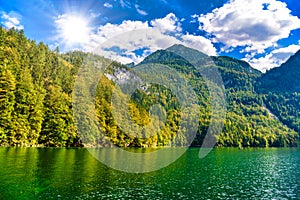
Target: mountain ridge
[287,75]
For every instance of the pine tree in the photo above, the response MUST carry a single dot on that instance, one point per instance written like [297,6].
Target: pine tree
[58,125]
[25,95]
[7,101]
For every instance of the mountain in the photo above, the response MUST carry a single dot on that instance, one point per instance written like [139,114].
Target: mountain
[235,64]
[166,57]
[281,89]
[192,55]
[37,98]
[249,122]
[284,78]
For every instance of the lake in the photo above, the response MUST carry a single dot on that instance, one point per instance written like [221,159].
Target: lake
[226,173]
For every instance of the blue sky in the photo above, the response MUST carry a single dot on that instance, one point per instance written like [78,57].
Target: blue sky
[263,32]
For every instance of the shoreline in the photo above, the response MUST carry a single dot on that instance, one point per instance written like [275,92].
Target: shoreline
[148,148]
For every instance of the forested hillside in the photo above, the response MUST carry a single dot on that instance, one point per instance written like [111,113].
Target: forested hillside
[35,93]
[248,122]
[284,78]
[36,86]
[281,90]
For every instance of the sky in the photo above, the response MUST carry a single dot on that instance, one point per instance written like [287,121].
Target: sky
[264,33]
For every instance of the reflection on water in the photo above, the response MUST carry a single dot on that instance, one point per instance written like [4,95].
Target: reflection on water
[54,173]
[137,160]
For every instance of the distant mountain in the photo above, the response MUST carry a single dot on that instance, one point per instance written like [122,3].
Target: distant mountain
[281,90]
[130,65]
[235,73]
[249,122]
[194,56]
[235,64]
[284,78]
[198,58]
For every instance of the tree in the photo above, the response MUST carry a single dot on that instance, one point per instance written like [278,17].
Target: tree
[25,95]
[7,101]
[58,125]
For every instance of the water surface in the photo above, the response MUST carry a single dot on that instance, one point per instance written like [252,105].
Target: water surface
[229,173]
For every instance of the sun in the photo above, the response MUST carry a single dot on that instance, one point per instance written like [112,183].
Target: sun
[73,29]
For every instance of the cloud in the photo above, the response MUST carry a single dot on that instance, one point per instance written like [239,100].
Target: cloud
[141,12]
[274,58]
[164,1]
[125,4]
[123,47]
[111,30]
[170,23]
[129,36]
[199,42]
[194,18]
[252,24]
[107,5]
[121,41]
[11,20]
[130,41]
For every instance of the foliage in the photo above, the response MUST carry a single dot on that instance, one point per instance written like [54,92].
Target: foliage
[36,90]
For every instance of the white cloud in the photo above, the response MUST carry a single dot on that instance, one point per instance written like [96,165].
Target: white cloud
[140,11]
[109,30]
[199,42]
[194,18]
[129,37]
[11,20]
[121,41]
[149,39]
[170,23]
[253,24]
[107,5]
[125,4]
[274,58]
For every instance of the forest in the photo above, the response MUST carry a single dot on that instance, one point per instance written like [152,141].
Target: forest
[36,91]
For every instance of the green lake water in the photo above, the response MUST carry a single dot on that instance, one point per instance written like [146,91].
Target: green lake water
[226,173]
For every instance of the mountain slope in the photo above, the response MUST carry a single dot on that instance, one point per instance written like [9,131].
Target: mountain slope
[284,78]
[281,89]
[235,64]
[248,121]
